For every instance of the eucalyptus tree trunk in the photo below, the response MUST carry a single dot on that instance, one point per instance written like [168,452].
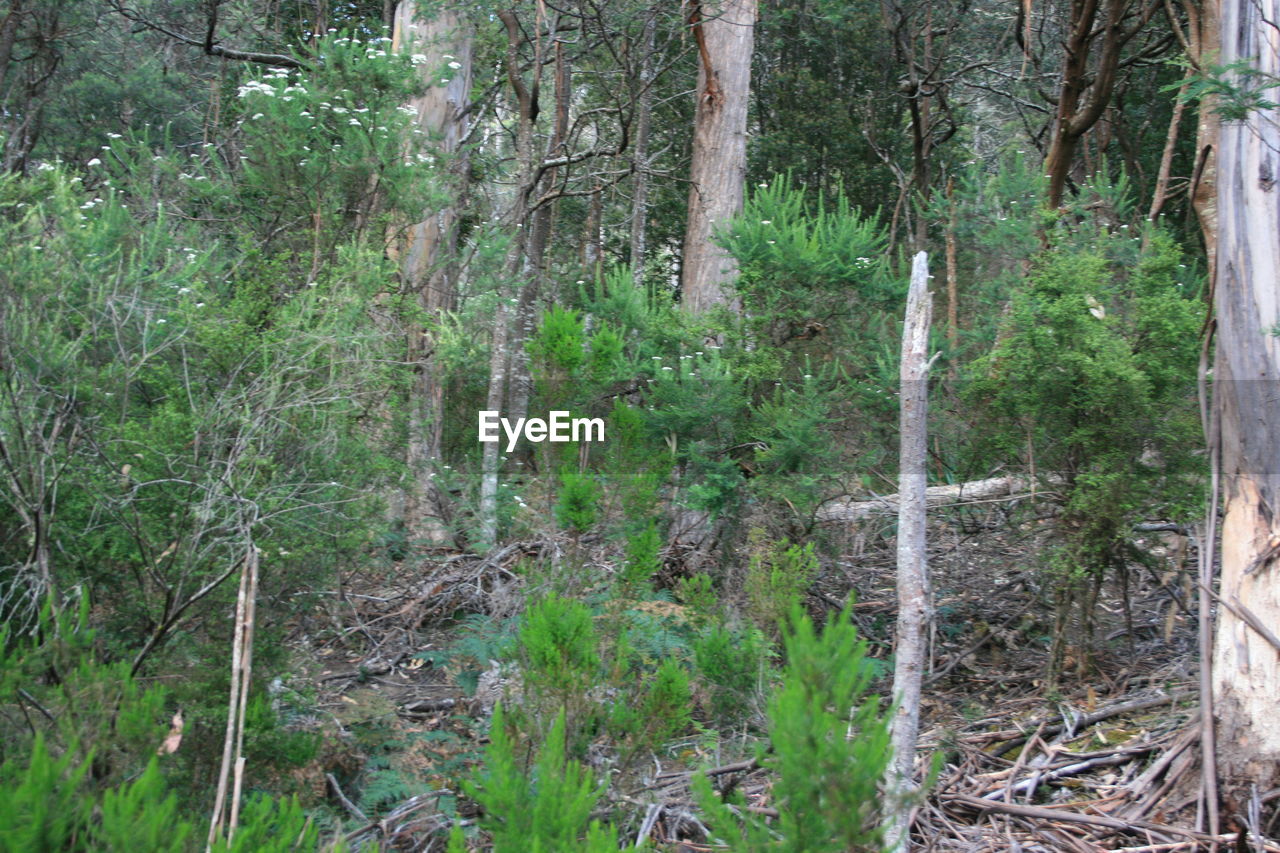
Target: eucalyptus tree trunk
[724,33]
[442,41]
[910,646]
[1246,660]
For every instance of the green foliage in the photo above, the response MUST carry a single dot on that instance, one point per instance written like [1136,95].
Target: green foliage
[641,561]
[182,413]
[43,811]
[1237,89]
[545,811]
[268,825]
[558,342]
[1094,373]
[830,747]
[558,646]
[777,576]
[805,261]
[140,816]
[732,664]
[579,500]
[94,713]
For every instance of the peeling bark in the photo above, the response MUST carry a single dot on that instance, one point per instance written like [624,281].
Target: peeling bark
[1246,667]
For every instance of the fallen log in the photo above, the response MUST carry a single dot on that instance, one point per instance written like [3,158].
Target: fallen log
[848,508]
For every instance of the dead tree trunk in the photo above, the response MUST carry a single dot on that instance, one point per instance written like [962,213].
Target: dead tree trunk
[910,647]
[1246,660]
[428,248]
[725,36]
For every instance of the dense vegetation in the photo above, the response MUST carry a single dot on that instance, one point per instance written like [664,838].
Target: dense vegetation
[222,357]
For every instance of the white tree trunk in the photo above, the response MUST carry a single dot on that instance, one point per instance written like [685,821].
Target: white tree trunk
[1246,665]
[725,33]
[427,248]
[910,647]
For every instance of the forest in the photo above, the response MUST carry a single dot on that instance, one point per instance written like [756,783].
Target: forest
[576,425]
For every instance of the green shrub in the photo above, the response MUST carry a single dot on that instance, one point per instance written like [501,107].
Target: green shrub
[558,343]
[579,500]
[730,663]
[547,810]
[642,560]
[829,749]
[777,577]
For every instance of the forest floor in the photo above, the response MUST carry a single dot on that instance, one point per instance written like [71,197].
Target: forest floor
[1105,757]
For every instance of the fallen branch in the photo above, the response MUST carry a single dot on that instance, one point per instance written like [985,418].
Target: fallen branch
[1009,488]
[351,807]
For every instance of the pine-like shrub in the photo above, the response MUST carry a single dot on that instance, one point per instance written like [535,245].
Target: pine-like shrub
[829,748]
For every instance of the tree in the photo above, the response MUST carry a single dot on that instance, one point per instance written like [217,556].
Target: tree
[1246,666]
[725,36]
[910,658]
[441,45]
[1098,33]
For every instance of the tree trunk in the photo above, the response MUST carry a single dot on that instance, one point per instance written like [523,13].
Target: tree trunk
[910,647]
[1203,37]
[516,266]
[1085,87]
[725,36]
[428,249]
[1246,666]
[640,154]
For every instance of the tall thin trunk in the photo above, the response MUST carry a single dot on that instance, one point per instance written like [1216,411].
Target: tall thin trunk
[1161,191]
[953,275]
[429,246]
[1246,662]
[516,263]
[1203,36]
[725,36]
[910,647]
[540,226]
[640,154]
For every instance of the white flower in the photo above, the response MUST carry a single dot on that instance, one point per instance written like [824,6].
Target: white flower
[766,221]
[94,162]
[418,59]
[161,320]
[199,304]
[256,116]
[455,65]
[354,121]
[182,290]
[113,136]
[45,167]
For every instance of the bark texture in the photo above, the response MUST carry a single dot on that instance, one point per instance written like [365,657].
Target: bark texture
[725,36]
[1246,664]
